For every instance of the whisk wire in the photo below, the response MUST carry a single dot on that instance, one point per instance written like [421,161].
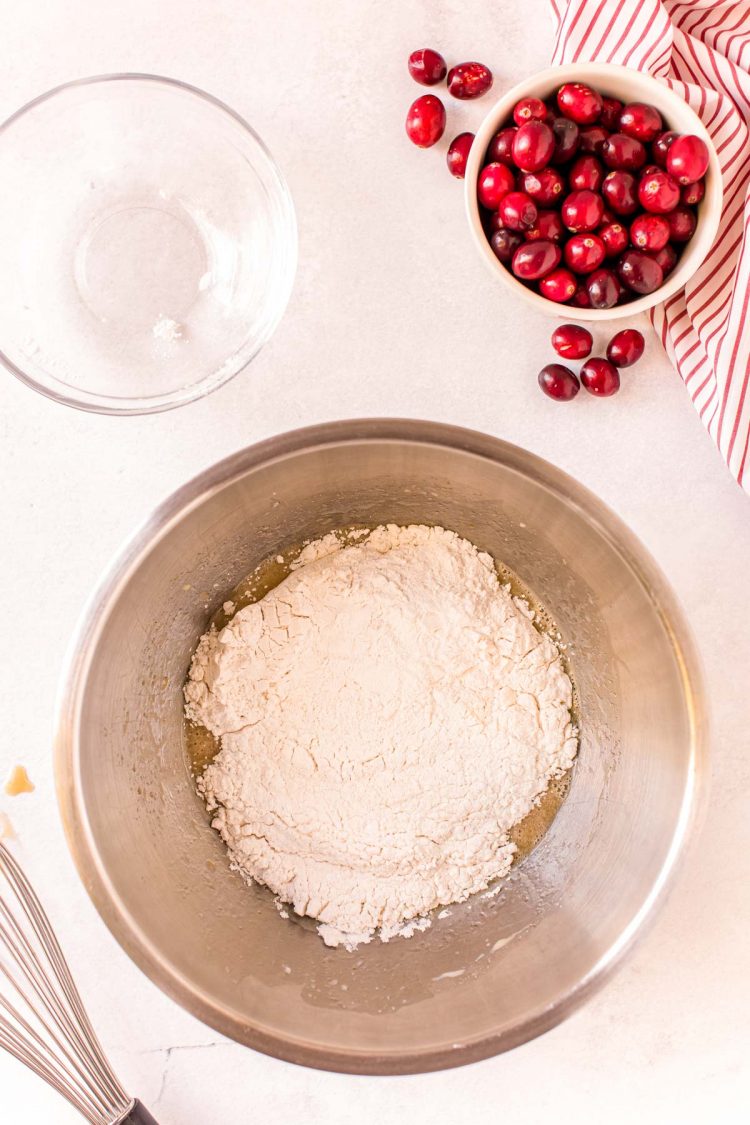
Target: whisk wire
[45,1025]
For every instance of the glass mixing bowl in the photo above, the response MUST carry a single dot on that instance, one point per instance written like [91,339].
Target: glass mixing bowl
[149,244]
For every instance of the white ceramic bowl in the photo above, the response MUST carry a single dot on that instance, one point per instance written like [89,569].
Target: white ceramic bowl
[628,86]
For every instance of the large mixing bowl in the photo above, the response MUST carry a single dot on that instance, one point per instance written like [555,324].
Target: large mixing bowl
[499,969]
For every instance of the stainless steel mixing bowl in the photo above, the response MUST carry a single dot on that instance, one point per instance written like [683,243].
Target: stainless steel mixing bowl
[498,970]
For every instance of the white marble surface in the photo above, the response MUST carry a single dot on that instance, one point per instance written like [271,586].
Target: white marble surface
[392,314]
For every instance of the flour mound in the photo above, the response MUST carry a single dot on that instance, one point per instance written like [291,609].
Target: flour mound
[386,715]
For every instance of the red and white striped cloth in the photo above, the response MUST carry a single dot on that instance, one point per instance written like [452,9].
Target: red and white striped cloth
[701,49]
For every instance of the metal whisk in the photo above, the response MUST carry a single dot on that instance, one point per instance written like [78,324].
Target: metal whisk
[42,1019]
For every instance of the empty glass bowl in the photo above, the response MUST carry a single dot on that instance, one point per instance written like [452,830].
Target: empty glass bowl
[149,244]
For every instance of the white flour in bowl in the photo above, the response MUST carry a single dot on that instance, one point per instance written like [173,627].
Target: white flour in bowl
[386,714]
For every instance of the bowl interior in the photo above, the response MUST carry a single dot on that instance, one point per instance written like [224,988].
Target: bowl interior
[629,86]
[500,968]
[149,243]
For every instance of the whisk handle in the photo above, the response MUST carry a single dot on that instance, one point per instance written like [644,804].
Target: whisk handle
[139,1115]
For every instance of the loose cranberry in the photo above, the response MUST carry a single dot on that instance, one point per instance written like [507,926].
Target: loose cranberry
[650,169]
[626,347]
[425,121]
[529,108]
[559,382]
[600,377]
[615,239]
[666,258]
[582,211]
[659,192]
[586,173]
[581,298]
[548,225]
[533,260]
[640,121]
[427,67]
[660,147]
[517,210]
[566,139]
[580,103]
[681,223]
[649,232]
[620,192]
[501,146]
[458,154]
[693,193]
[572,342]
[504,244]
[545,186]
[559,286]
[603,289]
[492,222]
[533,146]
[640,272]
[608,216]
[592,138]
[623,153]
[495,181]
[584,253]
[687,159]
[469,80]
[610,113]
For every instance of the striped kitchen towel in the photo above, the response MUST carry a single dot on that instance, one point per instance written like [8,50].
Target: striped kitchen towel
[701,49]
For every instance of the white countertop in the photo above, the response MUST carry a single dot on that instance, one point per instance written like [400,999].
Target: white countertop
[392,314]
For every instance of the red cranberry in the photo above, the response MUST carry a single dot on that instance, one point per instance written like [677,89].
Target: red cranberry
[495,181]
[615,239]
[620,192]
[501,146]
[640,272]
[533,260]
[659,192]
[666,258]
[586,173]
[566,139]
[529,108]
[425,121]
[572,342]
[580,103]
[492,222]
[517,210]
[548,225]
[533,146]
[469,80]
[427,67]
[623,152]
[608,216]
[600,377]
[649,232]
[584,253]
[558,382]
[687,159]
[649,170]
[504,244]
[681,223]
[610,113]
[603,289]
[640,121]
[458,154]
[693,193]
[626,347]
[582,211]
[559,286]
[592,138]
[581,298]
[545,186]
[660,147]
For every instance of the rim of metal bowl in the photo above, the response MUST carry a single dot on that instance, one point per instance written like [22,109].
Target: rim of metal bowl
[708,220]
[67,765]
[156,404]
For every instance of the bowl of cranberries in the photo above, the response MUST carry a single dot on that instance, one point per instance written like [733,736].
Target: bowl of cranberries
[593,187]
